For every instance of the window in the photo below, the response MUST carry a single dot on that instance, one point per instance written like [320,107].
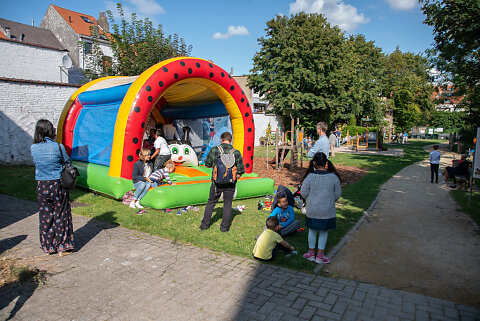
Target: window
[87,48]
[86,19]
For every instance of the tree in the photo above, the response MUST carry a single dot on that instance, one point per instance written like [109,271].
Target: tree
[303,60]
[457,47]
[368,80]
[136,46]
[408,88]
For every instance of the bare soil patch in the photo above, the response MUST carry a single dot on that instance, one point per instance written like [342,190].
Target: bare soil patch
[287,177]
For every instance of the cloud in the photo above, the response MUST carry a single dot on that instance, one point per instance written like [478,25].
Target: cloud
[402,4]
[143,9]
[232,31]
[337,12]
[147,7]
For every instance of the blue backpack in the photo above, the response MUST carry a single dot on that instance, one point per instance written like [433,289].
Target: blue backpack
[225,171]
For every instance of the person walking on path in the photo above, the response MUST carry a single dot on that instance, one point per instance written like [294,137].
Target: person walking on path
[333,141]
[321,189]
[434,163]
[322,145]
[216,189]
[55,216]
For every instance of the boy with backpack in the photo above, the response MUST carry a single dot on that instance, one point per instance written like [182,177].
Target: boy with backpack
[227,164]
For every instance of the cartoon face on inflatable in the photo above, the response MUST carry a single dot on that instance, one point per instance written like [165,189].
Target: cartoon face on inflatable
[183,154]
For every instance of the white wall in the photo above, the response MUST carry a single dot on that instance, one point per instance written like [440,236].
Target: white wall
[261,123]
[21,61]
[21,105]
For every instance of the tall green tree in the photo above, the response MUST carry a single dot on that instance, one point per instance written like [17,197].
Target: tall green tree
[136,46]
[368,79]
[304,60]
[457,47]
[408,88]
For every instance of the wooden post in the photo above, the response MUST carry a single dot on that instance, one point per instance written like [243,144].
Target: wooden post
[292,158]
[276,147]
[268,138]
[301,148]
[284,144]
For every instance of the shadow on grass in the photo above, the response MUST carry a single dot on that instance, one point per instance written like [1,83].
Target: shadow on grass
[93,227]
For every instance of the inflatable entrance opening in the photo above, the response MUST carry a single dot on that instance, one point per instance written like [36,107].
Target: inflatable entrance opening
[104,124]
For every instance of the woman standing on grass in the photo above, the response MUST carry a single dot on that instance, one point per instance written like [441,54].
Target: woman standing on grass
[55,216]
[321,189]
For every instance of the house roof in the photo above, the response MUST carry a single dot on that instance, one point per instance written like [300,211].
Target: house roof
[31,35]
[80,23]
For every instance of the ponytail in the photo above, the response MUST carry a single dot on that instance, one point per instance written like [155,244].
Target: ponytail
[310,169]
[321,160]
[332,169]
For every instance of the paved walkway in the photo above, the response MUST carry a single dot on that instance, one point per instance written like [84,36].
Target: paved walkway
[416,239]
[118,274]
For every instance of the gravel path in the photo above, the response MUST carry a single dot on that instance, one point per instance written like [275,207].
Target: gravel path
[415,239]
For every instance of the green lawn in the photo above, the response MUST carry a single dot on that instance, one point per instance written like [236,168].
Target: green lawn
[356,198]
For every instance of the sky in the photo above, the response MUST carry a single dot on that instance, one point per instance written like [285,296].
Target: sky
[227,32]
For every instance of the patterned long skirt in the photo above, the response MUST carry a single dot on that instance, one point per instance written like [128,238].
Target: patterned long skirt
[55,216]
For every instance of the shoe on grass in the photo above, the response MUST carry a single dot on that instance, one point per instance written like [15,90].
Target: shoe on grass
[132,204]
[322,259]
[309,256]
[137,204]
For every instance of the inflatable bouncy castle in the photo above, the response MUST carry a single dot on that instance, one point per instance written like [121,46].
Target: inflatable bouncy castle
[104,125]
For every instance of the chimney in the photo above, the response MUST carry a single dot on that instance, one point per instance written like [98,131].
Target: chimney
[7,30]
[103,21]
[70,19]
[33,22]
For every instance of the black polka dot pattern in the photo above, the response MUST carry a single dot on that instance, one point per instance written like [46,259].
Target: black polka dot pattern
[150,98]
[175,76]
[130,158]
[160,83]
[165,69]
[247,114]
[143,125]
[137,109]
[210,74]
[198,65]
[138,152]
[135,140]
[232,87]
[249,130]
[210,65]
[247,165]
[148,88]
[242,100]
[182,63]
[249,148]
[190,70]
[222,74]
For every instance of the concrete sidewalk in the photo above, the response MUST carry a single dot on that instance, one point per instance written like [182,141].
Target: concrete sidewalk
[119,274]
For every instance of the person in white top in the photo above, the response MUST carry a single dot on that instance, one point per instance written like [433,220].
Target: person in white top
[434,163]
[162,151]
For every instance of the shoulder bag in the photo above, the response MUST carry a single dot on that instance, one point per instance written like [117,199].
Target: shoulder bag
[69,172]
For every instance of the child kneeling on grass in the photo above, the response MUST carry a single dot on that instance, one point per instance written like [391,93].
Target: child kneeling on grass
[285,214]
[269,242]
